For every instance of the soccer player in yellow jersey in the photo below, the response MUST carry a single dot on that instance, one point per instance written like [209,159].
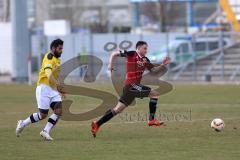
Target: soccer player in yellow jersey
[47,92]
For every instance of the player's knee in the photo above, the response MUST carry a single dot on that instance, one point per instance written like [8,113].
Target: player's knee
[57,108]
[43,115]
[119,108]
[58,111]
[154,94]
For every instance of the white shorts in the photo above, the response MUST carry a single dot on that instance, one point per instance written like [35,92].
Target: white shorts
[46,95]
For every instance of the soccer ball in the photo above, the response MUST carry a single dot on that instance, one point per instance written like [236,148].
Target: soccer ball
[217,124]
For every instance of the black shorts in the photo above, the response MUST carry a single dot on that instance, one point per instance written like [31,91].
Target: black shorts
[132,91]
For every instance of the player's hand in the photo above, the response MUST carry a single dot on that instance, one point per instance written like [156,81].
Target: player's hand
[110,67]
[60,88]
[63,95]
[166,61]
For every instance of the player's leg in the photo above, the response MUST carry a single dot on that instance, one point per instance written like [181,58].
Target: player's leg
[53,119]
[153,104]
[111,113]
[152,108]
[43,107]
[56,105]
[145,91]
[107,116]
[125,100]
[33,118]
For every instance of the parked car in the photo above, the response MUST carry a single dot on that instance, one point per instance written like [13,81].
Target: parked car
[181,51]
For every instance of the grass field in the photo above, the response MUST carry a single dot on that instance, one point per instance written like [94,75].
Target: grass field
[187,110]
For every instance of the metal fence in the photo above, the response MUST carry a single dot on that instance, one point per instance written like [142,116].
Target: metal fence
[182,48]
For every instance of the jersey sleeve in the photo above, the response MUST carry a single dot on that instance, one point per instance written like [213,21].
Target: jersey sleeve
[48,61]
[149,65]
[124,53]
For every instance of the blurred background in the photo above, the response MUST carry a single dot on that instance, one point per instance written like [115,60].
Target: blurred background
[200,36]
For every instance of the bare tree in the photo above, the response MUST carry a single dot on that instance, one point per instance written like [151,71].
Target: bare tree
[5,10]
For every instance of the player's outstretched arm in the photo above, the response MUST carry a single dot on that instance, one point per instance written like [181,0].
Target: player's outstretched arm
[162,66]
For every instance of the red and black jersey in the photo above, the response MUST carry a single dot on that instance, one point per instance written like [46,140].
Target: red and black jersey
[136,65]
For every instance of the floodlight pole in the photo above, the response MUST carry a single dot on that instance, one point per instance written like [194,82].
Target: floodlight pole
[190,20]
[136,16]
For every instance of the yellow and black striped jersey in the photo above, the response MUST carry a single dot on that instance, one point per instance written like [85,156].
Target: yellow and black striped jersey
[49,62]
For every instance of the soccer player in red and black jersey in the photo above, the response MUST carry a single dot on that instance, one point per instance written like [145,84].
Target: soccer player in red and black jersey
[137,62]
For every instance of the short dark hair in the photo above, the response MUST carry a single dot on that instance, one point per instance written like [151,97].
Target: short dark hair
[140,43]
[55,43]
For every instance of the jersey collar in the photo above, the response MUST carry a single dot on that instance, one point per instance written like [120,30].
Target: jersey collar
[139,54]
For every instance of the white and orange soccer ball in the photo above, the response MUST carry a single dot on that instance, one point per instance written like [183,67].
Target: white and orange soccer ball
[217,124]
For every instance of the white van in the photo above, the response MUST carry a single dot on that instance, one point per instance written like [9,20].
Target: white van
[181,51]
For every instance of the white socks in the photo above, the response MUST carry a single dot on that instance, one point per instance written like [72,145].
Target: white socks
[51,122]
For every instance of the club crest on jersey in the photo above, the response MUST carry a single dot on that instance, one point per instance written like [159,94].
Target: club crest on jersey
[140,63]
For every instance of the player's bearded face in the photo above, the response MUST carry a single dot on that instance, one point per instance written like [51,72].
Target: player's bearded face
[58,51]
[143,49]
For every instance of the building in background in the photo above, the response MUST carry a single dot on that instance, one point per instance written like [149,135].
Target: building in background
[96,15]
[114,15]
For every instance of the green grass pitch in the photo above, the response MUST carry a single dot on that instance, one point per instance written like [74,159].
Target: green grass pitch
[187,110]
